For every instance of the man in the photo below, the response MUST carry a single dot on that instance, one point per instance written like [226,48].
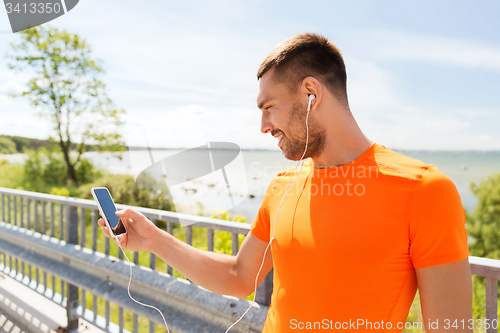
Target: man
[352,232]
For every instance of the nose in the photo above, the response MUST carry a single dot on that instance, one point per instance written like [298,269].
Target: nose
[265,124]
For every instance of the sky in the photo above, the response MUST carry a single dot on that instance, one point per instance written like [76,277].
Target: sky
[422,75]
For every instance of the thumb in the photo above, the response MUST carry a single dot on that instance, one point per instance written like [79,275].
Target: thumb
[128,212]
[119,239]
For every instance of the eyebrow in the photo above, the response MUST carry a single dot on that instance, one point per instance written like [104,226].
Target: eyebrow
[261,104]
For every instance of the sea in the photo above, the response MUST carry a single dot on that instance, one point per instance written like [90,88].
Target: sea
[237,186]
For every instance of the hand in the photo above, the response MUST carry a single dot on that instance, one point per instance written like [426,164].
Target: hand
[140,230]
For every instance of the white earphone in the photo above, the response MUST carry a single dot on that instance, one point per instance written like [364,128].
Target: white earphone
[311,98]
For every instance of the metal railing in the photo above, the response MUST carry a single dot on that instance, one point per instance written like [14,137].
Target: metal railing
[39,246]
[44,241]
[490,269]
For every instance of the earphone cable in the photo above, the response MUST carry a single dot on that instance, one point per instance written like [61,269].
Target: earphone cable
[128,289]
[276,218]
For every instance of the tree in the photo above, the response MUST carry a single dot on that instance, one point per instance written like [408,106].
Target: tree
[66,89]
[483,225]
[7,146]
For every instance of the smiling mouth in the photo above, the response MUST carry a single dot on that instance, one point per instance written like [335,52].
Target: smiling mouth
[280,138]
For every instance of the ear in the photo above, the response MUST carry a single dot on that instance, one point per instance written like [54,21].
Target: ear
[311,86]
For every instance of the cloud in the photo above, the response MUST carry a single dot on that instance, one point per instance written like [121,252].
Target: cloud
[370,87]
[399,46]
[11,87]
[479,113]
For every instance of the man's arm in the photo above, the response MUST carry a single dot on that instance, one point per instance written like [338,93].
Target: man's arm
[220,273]
[446,296]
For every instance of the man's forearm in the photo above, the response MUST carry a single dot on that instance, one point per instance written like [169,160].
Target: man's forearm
[213,271]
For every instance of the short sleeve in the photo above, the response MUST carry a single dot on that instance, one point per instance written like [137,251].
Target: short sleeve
[436,221]
[261,225]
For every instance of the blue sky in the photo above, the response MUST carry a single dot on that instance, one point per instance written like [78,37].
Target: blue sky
[421,74]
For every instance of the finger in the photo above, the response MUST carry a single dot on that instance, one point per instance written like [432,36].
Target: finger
[105,231]
[119,240]
[129,213]
[101,222]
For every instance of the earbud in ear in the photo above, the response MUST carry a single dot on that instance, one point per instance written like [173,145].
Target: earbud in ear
[311,97]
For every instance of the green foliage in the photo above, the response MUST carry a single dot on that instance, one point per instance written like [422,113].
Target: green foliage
[222,239]
[125,191]
[66,90]
[54,171]
[415,315]
[63,191]
[484,223]
[85,171]
[483,226]
[22,143]
[44,168]
[42,171]
[11,175]
[7,146]
[33,169]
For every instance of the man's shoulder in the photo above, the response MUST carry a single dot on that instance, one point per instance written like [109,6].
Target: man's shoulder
[393,163]
[424,178]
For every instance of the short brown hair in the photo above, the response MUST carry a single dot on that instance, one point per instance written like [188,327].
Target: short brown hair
[307,55]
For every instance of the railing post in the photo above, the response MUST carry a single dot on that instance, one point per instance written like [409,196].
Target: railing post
[8,210]
[234,243]
[491,304]
[72,291]
[265,290]
[170,230]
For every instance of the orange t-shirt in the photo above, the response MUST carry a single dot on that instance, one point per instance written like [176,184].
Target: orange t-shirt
[348,238]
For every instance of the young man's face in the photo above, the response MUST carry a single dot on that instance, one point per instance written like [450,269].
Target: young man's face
[284,116]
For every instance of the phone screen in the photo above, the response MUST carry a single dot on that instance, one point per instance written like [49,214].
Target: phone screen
[109,209]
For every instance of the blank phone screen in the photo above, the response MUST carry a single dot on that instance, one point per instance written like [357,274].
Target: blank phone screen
[107,205]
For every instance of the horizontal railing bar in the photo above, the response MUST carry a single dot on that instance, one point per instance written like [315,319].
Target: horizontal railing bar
[156,214]
[105,275]
[485,267]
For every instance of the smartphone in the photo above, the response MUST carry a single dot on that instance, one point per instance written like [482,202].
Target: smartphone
[107,209]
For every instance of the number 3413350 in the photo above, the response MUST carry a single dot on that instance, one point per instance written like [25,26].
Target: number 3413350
[33,8]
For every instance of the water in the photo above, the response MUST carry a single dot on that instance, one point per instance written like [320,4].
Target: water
[250,180]
[462,167]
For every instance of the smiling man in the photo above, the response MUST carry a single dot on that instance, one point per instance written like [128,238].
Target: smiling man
[361,226]
[352,233]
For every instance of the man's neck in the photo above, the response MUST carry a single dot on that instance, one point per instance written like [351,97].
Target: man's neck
[340,152]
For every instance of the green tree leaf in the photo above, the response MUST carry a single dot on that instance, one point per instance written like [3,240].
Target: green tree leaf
[65,89]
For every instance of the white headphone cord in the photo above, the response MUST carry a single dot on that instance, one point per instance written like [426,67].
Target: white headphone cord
[276,218]
[128,289]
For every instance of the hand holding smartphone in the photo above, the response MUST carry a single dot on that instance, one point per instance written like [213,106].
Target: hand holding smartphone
[107,209]
[116,227]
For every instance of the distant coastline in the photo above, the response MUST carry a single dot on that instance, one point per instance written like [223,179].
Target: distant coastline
[23,143]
